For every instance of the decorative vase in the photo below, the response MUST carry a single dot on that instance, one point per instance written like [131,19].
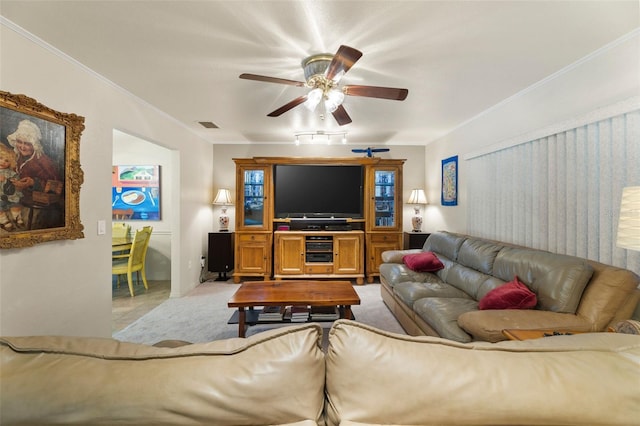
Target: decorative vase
[416,221]
[223,220]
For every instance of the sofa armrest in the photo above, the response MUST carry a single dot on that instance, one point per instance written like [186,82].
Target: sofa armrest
[395,256]
[487,325]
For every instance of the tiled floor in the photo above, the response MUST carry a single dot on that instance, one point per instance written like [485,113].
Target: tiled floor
[126,309]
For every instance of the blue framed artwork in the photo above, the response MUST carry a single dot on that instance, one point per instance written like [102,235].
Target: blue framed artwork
[449,195]
[136,193]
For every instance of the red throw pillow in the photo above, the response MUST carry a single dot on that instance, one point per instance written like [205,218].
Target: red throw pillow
[423,262]
[512,295]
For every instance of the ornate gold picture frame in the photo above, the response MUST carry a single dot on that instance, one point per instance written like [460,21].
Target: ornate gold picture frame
[40,173]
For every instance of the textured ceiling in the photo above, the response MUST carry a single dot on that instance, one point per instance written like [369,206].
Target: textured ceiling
[456,58]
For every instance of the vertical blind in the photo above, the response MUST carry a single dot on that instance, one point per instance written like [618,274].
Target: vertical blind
[561,192]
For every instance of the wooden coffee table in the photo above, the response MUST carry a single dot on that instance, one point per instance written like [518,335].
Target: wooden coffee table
[285,293]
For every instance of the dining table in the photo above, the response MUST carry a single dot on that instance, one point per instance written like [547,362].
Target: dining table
[119,244]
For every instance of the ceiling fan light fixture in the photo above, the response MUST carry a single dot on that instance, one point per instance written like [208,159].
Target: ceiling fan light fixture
[333,99]
[313,99]
[316,64]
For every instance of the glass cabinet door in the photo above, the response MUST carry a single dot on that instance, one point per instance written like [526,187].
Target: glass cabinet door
[253,214]
[385,205]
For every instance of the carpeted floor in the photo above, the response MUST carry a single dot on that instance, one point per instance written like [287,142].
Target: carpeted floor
[202,316]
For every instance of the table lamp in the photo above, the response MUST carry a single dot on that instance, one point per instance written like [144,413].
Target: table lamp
[417,198]
[223,198]
[629,223]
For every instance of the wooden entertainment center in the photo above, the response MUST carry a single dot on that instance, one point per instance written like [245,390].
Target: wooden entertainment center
[315,247]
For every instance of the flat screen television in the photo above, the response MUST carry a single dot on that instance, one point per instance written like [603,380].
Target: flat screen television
[318,191]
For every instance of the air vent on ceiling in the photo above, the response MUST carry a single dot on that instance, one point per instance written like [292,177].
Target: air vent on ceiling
[208,124]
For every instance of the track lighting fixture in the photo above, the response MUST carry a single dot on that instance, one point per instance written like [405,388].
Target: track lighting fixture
[310,136]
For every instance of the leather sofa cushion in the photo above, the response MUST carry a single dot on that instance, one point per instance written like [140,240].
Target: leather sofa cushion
[395,256]
[478,254]
[275,377]
[589,379]
[475,284]
[557,280]
[488,325]
[395,273]
[444,243]
[410,292]
[442,315]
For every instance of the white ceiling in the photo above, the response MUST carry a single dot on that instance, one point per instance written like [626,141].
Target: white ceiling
[456,58]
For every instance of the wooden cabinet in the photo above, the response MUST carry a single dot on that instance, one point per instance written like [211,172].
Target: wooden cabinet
[414,240]
[319,254]
[289,254]
[384,220]
[258,248]
[384,191]
[376,244]
[348,253]
[253,245]
[253,197]
[253,255]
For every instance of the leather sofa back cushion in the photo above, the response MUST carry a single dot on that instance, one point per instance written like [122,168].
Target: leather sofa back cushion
[478,254]
[275,377]
[557,280]
[444,243]
[554,380]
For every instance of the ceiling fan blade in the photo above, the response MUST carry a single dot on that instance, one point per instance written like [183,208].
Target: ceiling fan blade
[376,92]
[342,61]
[341,116]
[264,78]
[284,108]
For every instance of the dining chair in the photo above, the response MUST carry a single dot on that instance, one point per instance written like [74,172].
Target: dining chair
[134,261]
[122,214]
[120,230]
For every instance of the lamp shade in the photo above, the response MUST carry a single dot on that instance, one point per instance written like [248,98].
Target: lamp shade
[223,197]
[417,197]
[629,223]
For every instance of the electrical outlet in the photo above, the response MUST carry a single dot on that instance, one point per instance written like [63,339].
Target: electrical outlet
[202,261]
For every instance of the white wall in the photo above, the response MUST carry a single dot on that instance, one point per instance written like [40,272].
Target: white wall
[65,287]
[607,76]
[128,150]
[224,170]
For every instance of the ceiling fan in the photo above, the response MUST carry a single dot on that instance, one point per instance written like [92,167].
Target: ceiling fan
[322,73]
[370,152]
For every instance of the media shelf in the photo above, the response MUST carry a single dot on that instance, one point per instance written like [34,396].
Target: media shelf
[318,249]
[319,254]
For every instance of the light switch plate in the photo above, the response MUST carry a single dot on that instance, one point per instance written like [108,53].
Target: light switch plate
[102,227]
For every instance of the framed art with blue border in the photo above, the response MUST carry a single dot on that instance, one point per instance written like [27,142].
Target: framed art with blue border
[449,195]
